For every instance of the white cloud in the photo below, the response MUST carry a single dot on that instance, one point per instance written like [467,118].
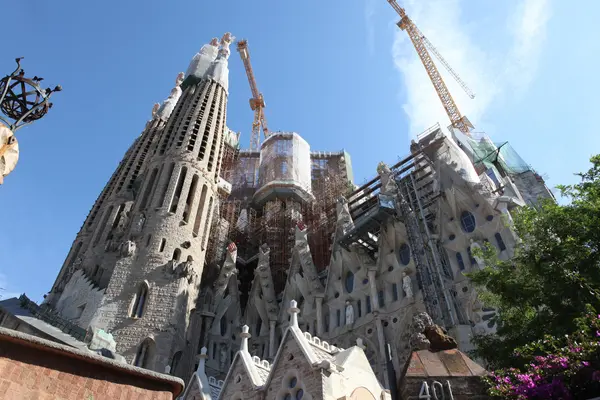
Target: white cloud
[487,71]
[370,24]
[528,27]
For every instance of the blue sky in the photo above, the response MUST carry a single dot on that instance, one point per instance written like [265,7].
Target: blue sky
[339,73]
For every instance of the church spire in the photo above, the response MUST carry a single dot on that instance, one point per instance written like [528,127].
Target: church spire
[203,59]
[219,70]
[163,112]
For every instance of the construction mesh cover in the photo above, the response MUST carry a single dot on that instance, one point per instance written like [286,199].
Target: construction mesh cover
[285,162]
[487,154]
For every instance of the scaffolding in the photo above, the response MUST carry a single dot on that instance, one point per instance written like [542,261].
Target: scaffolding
[500,157]
[272,221]
[414,203]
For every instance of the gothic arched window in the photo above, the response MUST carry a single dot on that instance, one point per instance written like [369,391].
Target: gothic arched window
[349,281]
[460,261]
[140,300]
[223,325]
[145,354]
[176,254]
[467,221]
[175,362]
[500,241]
[404,254]
[258,326]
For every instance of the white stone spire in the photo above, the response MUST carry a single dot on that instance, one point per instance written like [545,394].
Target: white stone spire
[219,70]
[201,363]
[202,61]
[164,111]
[245,335]
[294,310]
[226,41]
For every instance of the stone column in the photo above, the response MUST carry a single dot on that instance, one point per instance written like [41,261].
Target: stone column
[207,318]
[319,300]
[382,353]
[371,272]
[272,347]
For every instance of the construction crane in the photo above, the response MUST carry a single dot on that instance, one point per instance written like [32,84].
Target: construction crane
[257,102]
[422,44]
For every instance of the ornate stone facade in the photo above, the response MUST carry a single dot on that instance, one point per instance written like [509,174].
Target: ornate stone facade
[144,242]
[360,268]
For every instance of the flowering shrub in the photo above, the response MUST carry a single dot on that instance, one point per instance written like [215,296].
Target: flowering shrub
[555,368]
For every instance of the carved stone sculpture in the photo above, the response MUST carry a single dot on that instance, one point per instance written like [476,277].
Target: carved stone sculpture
[345,223]
[76,265]
[122,224]
[418,341]
[179,79]
[388,185]
[226,40]
[155,109]
[186,270]
[223,356]
[420,321]
[139,224]
[439,339]
[128,248]
[428,336]
[407,285]
[349,313]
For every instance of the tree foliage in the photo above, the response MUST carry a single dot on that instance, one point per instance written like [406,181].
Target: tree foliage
[554,278]
[561,368]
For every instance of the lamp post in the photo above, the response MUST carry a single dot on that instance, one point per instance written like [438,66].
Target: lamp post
[22,101]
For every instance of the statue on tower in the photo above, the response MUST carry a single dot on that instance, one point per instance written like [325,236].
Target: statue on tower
[155,109]
[179,79]
[167,108]
[226,41]
[349,313]
[407,285]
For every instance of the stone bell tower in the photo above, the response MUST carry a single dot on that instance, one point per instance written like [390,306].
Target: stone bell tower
[141,251]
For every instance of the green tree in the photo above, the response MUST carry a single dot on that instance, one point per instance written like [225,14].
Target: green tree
[555,273]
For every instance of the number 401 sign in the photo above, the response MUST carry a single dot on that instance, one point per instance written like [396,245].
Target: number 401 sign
[438,392]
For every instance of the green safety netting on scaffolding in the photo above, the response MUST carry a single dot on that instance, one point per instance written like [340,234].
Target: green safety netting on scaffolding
[487,154]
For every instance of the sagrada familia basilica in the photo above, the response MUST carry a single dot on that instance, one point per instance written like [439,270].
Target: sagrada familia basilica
[261,267]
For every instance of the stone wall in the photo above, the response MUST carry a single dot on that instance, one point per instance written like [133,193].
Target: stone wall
[80,299]
[532,187]
[292,363]
[35,368]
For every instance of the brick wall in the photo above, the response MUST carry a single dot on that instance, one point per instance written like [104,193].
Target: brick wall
[32,368]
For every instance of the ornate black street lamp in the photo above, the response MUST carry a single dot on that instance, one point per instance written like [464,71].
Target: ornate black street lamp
[22,101]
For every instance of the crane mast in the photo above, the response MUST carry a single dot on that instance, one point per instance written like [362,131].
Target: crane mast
[421,44]
[257,102]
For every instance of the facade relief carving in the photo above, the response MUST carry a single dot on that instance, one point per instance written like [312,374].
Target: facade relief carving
[349,313]
[407,285]
[122,224]
[139,223]
[128,248]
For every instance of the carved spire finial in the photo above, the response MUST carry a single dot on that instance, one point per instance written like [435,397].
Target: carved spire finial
[202,358]
[294,310]
[225,42]
[245,335]
[179,79]
[360,343]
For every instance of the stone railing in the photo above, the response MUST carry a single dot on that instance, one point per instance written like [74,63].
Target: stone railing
[47,315]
